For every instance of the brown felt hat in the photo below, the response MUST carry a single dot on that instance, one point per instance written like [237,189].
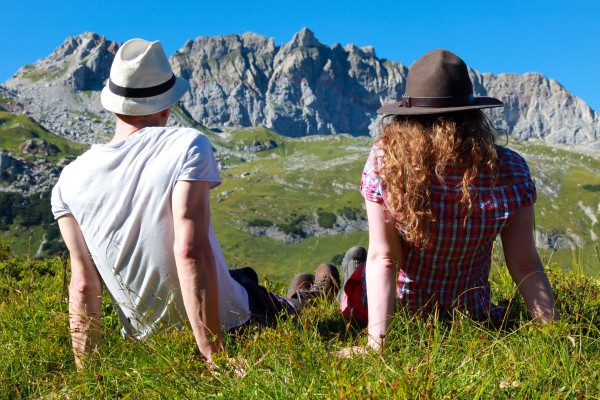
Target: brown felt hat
[438,82]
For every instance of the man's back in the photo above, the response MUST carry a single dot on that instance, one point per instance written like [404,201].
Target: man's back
[120,194]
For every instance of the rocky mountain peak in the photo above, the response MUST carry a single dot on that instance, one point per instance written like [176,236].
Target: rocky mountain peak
[300,88]
[364,52]
[62,91]
[82,45]
[81,63]
[304,38]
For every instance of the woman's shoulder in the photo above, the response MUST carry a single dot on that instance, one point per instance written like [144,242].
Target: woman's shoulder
[512,162]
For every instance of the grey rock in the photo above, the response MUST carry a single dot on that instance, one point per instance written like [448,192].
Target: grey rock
[538,108]
[26,176]
[62,91]
[10,166]
[300,88]
[39,147]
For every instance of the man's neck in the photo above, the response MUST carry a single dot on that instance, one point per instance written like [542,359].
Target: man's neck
[123,132]
[127,127]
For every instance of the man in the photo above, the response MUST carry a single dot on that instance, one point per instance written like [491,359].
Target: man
[135,214]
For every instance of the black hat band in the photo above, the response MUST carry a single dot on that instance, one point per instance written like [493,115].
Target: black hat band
[438,102]
[141,92]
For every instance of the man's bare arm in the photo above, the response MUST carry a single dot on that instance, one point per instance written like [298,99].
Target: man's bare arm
[85,292]
[196,265]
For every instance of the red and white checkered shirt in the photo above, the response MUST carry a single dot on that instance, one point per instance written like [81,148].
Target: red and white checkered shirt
[453,273]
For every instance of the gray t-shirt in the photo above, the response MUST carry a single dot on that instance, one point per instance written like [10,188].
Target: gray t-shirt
[120,194]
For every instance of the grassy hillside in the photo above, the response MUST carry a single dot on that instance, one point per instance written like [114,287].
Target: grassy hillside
[303,189]
[291,185]
[17,129]
[286,205]
[301,179]
[33,160]
[568,203]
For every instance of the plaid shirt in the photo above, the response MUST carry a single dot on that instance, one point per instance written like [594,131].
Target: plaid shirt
[454,271]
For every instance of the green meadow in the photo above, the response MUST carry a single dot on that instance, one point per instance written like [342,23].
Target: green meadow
[301,179]
[282,210]
[15,130]
[286,205]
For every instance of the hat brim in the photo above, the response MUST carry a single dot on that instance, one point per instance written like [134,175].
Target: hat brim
[146,105]
[399,109]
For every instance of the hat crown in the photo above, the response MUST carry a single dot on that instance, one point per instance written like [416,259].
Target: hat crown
[141,80]
[140,64]
[439,73]
[438,82]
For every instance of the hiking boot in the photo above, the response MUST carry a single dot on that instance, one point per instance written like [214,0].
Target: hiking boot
[300,286]
[327,281]
[352,260]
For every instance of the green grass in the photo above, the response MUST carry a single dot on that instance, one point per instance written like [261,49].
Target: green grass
[256,136]
[426,358]
[23,240]
[32,73]
[301,180]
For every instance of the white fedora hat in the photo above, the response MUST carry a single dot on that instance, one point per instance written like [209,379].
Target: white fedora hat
[141,80]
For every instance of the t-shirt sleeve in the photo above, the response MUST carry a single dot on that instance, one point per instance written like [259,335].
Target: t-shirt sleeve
[370,185]
[199,163]
[58,205]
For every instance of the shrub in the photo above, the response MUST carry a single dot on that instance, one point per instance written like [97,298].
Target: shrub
[337,259]
[326,219]
[293,226]
[290,229]
[4,251]
[351,213]
[259,222]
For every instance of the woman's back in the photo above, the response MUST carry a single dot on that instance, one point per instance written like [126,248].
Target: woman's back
[438,191]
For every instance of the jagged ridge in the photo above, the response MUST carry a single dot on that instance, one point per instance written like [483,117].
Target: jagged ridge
[300,88]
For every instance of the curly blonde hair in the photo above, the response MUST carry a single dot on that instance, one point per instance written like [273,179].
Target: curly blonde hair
[414,147]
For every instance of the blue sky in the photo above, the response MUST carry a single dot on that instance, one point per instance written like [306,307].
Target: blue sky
[557,38]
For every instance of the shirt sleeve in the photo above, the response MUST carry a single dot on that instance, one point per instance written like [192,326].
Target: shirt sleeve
[516,169]
[371,186]
[59,207]
[199,163]
[530,195]
[529,192]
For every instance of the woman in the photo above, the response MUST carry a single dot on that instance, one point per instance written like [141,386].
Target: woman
[438,191]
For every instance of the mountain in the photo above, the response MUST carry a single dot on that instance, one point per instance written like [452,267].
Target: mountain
[289,200]
[297,89]
[303,87]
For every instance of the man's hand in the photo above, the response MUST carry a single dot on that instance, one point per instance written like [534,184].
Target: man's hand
[354,351]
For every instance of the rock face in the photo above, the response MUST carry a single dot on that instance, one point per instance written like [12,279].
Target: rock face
[537,107]
[28,176]
[62,91]
[300,88]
